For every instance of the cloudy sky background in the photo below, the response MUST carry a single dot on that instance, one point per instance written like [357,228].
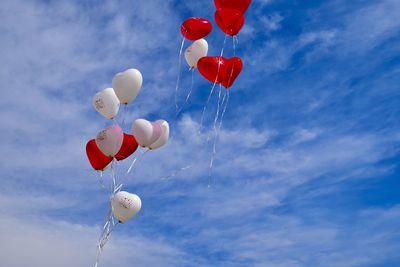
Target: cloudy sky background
[307,168]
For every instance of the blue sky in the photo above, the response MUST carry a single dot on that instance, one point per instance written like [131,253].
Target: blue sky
[307,168]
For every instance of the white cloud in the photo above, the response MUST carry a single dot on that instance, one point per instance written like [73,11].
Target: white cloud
[42,242]
[369,26]
[300,241]
[272,22]
[304,135]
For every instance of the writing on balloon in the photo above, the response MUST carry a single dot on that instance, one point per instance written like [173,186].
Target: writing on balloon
[102,135]
[99,103]
[126,203]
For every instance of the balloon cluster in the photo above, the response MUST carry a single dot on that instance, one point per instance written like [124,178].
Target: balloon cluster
[229,16]
[112,143]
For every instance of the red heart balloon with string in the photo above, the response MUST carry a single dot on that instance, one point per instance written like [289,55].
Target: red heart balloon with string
[129,146]
[196,28]
[233,67]
[240,5]
[97,159]
[230,21]
[212,68]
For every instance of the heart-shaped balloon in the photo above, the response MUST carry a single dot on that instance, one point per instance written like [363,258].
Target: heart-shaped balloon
[106,103]
[97,159]
[125,205]
[230,21]
[211,68]
[127,85]
[233,67]
[146,132]
[196,28]
[109,140]
[163,139]
[129,146]
[196,51]
[240,5]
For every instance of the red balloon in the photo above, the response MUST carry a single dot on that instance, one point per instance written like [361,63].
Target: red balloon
[196,28]
[233,67]
[229,69]
[240,5]
[230,21]
[129,145]
[97,159]
[208,67]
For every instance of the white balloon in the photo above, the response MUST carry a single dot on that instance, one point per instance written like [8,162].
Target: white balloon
[125,205]
[195,51]
[146,132]
[106,103]
[127,85]
[164,135]
[109,140]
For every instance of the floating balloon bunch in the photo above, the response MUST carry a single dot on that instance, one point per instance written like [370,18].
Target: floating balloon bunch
[112,144]
[229,16]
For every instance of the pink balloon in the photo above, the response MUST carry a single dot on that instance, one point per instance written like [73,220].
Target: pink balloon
[109,140]
[157,131]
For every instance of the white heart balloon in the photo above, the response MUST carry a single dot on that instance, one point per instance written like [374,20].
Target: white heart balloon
[163,139]
[109,140]
[146,132]
[127,85]
[106,103]
[125,205]
[195,51]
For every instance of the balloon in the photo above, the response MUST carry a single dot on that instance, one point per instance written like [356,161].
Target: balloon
[127,85]
[240,5]
[145,132]
[228,71]
[110,140]
[129,145]
[230,21]
[106,103]
[196,51]
[196,28]
[233,67]
[162,140]
[125,205]
[211,68]
[97,159]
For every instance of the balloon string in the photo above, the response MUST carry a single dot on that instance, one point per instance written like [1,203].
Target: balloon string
[189,94]
[109,225]
[213,87]
[175,173]
[221,105]
[113,181]
[124,115]
[101,180]
[136,160]
[234,53]
[205,107]
[219,62]
[224,104]
[224,109]
[215,136]
[235,42]
[108,228]
[179,75]
[223,47]
[230,77]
